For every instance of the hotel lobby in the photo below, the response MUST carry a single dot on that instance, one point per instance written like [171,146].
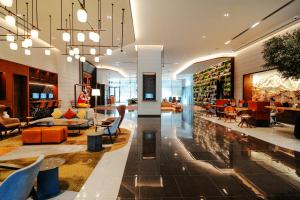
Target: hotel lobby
[149,99]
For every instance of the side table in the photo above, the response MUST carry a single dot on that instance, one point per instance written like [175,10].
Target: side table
[94,141]
[47,179]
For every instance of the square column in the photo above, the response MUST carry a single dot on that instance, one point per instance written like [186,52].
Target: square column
[149,80]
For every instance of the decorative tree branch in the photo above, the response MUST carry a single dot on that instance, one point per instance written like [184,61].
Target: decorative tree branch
[283,53]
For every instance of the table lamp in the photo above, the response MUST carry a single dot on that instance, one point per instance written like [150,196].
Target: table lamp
[95,93]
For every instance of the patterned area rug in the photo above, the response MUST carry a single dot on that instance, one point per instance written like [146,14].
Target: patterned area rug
[78,166]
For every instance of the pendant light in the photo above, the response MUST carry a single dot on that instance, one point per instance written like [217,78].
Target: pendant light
[109,52]
[13,46]
[82,59]
[10,37]
[77,56]
[28,42]
[81,15]
[92,51]
[66,36]
[80,37]
[47,52]
[27,52]
[7,3]
[69,59]
[24,44]
[76,51]
[10,20]
[34,33]
[96,59]
[71,52]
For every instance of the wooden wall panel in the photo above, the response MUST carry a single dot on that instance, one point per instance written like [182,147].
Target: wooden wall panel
[247,87]
[10,69]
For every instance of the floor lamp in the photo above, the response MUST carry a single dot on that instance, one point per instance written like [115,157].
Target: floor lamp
[95,93]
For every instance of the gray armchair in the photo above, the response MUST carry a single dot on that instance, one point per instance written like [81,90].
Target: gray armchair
[19,184]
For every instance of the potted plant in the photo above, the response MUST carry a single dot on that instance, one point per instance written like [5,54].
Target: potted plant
[283,54]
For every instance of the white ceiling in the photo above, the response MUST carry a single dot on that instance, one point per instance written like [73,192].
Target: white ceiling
[180,24]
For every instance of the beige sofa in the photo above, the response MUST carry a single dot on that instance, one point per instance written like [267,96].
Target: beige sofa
[89,118]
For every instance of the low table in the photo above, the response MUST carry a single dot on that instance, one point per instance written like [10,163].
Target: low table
[74,126]
[47,179]
[94,141]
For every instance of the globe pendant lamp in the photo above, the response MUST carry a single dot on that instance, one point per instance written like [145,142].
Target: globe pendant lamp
[82,59]
[34,33]
[27,52]
[7,3]
[10,20]
[96,59]
[13,46]
[66,36]
[10,37]
[24,44]
[80,37]
[69,59]
[92,51]
[71,52]
[81,15]
[76,51]
[77,56]
[28,42]
[109,52]
[47,52]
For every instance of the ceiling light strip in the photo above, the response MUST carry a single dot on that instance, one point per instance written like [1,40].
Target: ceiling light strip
[263,19]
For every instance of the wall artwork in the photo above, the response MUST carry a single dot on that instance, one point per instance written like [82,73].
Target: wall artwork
[271,84]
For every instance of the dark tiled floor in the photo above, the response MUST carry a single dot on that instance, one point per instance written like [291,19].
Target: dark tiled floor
[190,158]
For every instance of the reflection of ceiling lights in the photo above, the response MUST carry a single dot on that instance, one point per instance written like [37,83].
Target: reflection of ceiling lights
[82,15]
[7,3]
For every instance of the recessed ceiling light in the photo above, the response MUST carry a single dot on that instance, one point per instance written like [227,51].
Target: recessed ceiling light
[227,42]
[203,36]
[226,14]
[254,25]
[108,17]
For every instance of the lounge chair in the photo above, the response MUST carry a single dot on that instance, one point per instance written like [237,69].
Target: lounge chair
[110,129]
[19,185]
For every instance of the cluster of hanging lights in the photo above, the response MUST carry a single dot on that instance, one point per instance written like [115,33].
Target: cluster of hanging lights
[30,31]
[91,35]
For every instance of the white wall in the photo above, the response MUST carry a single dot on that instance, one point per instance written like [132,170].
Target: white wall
[149,60]
[250,60]
[68,73]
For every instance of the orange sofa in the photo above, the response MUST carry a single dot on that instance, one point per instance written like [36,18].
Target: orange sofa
[45,135]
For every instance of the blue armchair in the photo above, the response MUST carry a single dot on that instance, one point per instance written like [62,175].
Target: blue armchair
[19,184]
[111,129]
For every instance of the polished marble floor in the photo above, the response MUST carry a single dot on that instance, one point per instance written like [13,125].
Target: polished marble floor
[185,156]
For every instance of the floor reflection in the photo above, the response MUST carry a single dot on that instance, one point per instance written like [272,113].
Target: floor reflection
[183,156]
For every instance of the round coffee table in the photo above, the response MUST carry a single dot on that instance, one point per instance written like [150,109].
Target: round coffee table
[47,179]
[94,141]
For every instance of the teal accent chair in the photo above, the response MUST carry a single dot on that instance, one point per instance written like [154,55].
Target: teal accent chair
[112,128]
[19,185]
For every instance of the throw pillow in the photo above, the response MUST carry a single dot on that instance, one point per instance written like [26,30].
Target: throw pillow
[81,114]
[57,114]
[69,114]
